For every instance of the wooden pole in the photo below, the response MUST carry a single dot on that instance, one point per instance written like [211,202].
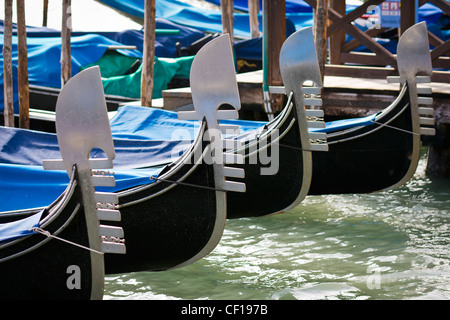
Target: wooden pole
[274,35]
[8,111]
[253,10]
[148,56]
[24,96]
[407,14]
[227,7]
[45,14]
[320,34]
[338,38]
[66,57]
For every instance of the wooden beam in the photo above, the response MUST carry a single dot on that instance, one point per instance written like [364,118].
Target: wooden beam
[340,22]
[253,10]
[274,37]
[24,95]
[440,50]
[407,14]
[227,7]
[320,34]
[338,38]
[148,56]
[347,19]
[45,14]
[357,71]
[353,44]
[365,39]
[8,105]
[66,57]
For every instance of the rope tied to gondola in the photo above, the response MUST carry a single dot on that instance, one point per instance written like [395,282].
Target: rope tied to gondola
[49,235]
[187,184]
[395,128]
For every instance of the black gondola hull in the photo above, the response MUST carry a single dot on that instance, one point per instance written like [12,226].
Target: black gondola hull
[368,159]
[50,268]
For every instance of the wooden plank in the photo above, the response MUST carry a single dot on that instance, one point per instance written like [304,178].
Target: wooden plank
[148,55]
[24,95]
[363,58]
[357,71]
[8,111]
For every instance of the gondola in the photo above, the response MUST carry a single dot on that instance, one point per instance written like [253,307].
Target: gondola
[277,159]
[383,153]
[178,216]
[278,163]
[58,252]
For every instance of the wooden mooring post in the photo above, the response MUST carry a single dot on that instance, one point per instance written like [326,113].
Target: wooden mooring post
[148,55]
[274,35]
[253,10]
[320,34]
[66,57]
[24,95]
[8,111]
[227,7]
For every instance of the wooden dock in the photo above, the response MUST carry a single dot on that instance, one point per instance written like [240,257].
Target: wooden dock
[345,97]
[342,96]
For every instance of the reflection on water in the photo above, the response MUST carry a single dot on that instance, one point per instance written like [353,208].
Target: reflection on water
[388,245]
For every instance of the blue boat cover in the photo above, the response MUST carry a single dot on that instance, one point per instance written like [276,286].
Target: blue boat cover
[143,137]
[199,18]
[298,13]
[19,228]
[291,5]
[28,147]
[136,122]
[338,125]
[44,55]
[24,186]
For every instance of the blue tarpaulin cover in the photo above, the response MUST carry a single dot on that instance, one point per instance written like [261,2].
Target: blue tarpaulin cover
[44,55]
[200,18]
[25,186]
[142,137]
[19,228]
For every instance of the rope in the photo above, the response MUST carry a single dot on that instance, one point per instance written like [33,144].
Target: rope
[296,148]
[48,234]
[187,184]
[392,127]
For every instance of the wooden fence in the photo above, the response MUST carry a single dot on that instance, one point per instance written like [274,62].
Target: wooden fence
[379,62]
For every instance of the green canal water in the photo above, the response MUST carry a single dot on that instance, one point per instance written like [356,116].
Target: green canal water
[392,245]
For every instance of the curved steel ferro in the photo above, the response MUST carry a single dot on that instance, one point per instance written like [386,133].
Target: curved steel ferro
[299,64]
[213,85]
[414,67]
[413,53]
[82,125]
